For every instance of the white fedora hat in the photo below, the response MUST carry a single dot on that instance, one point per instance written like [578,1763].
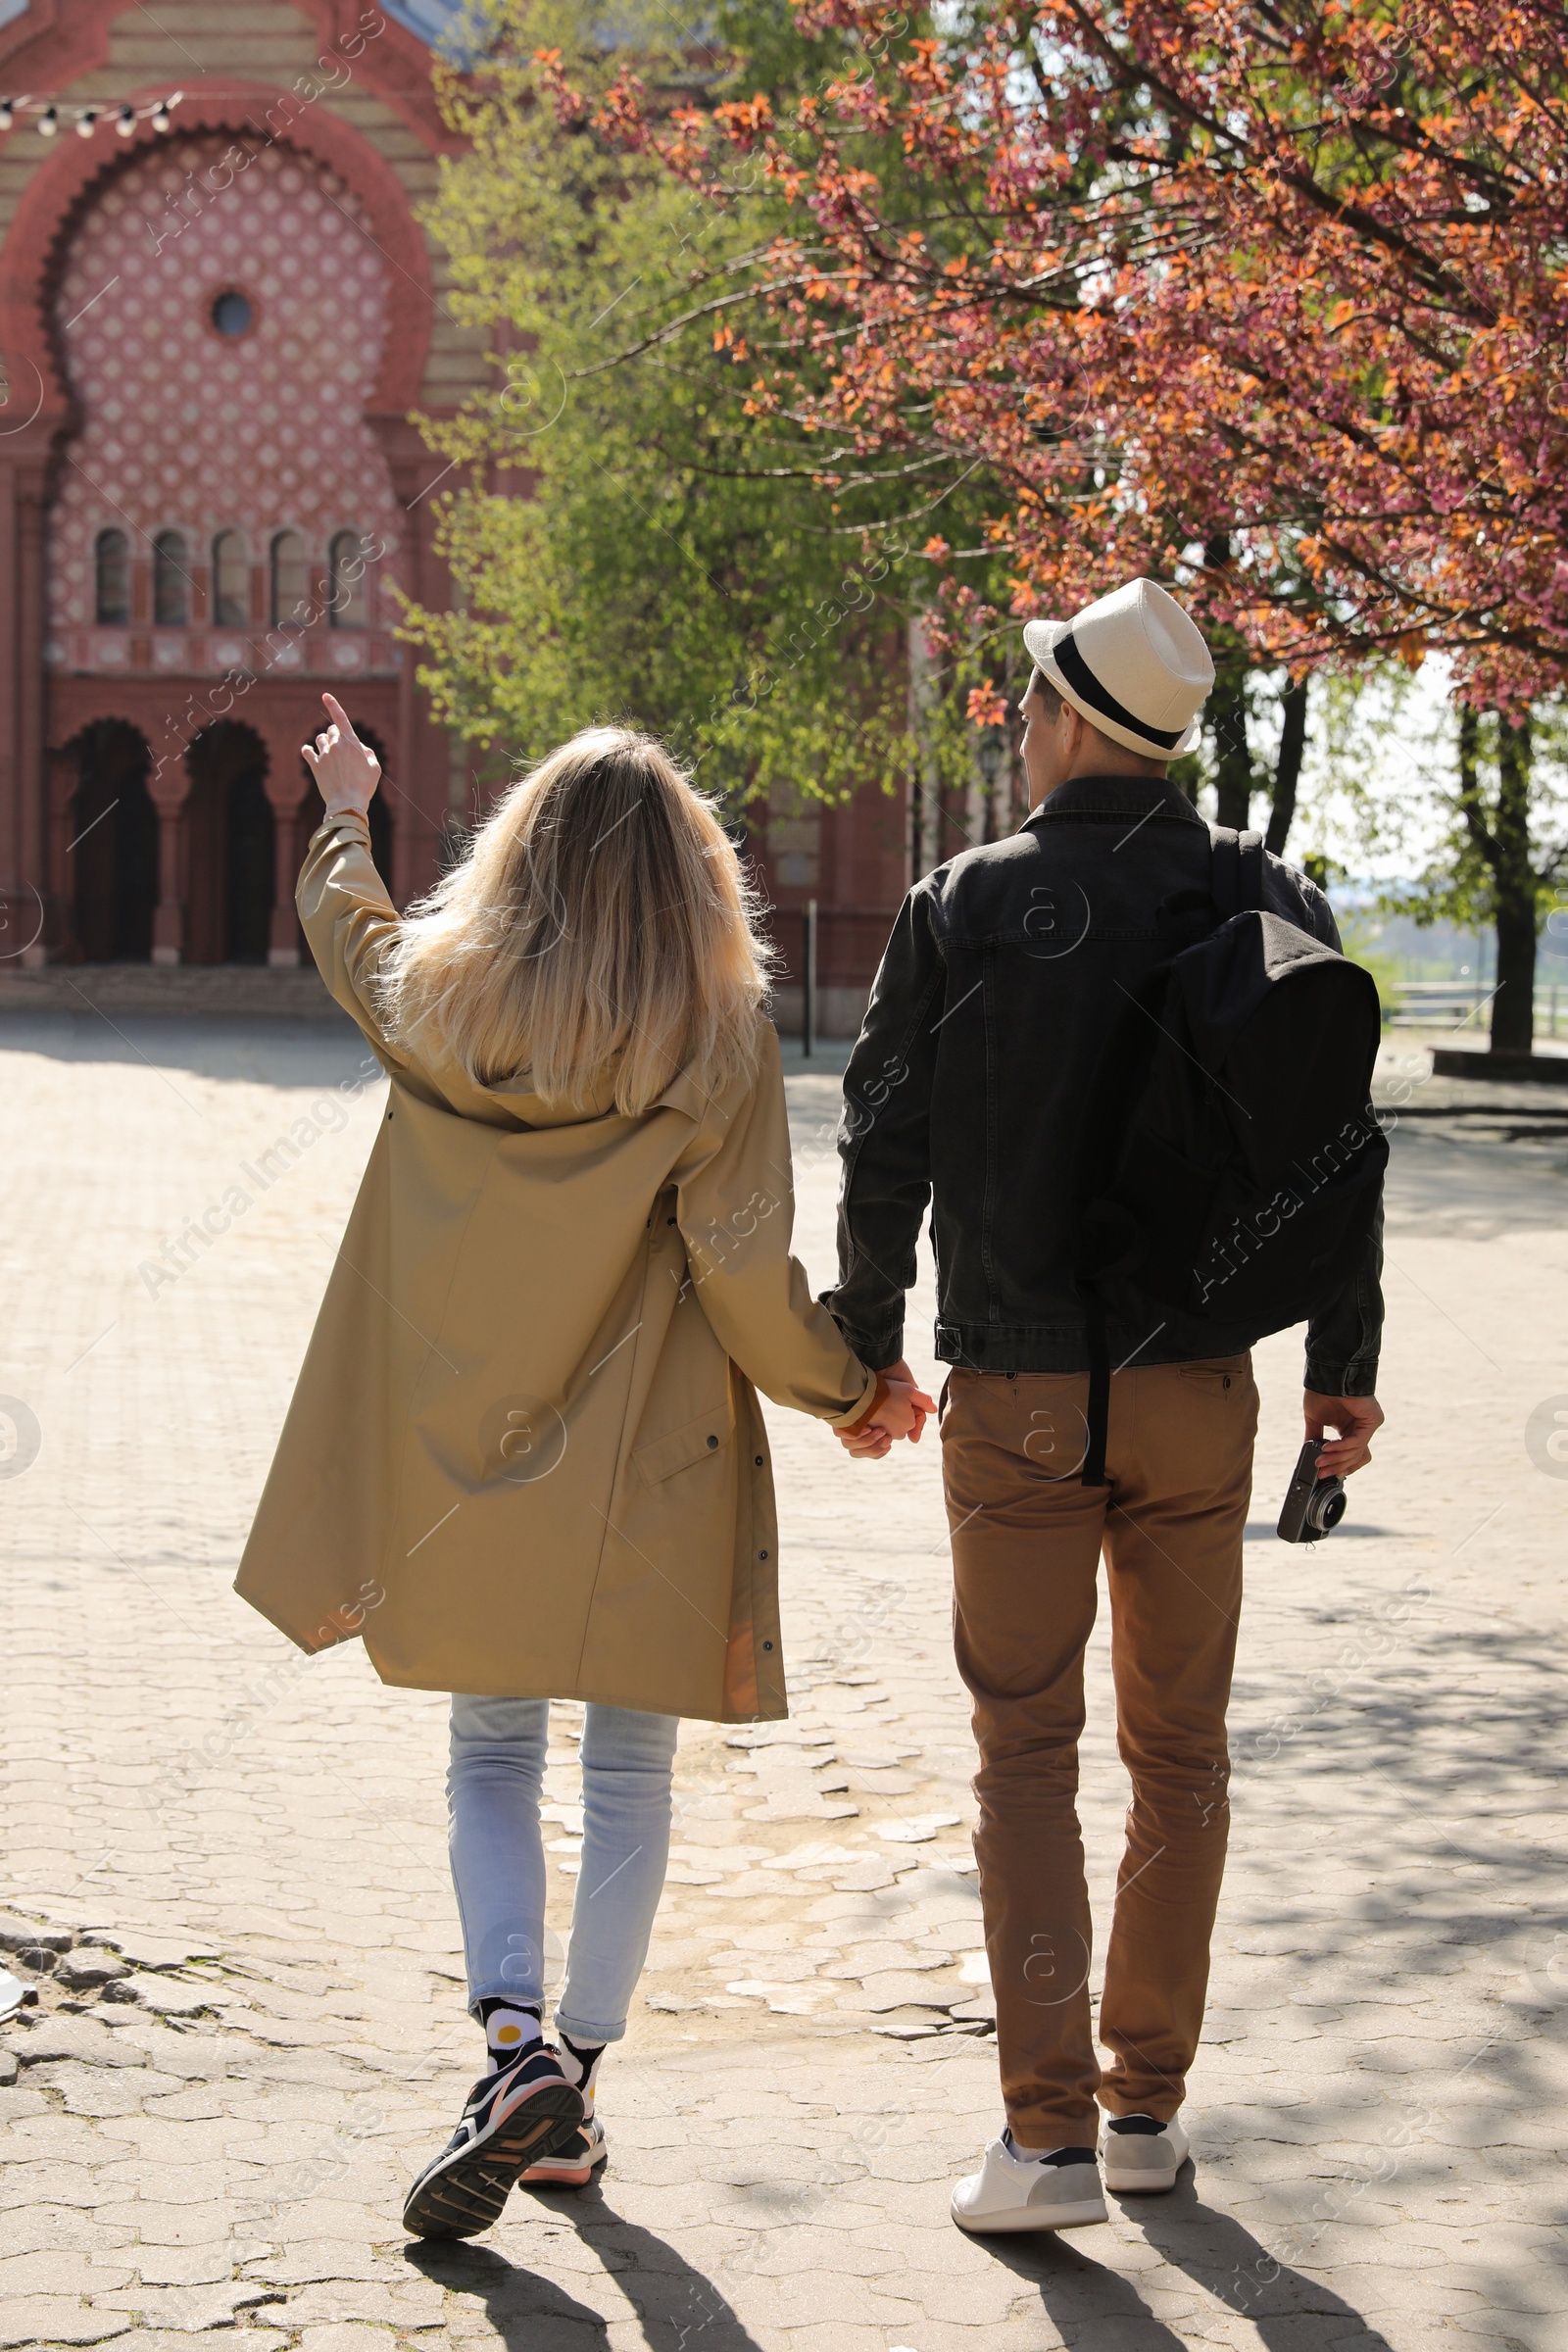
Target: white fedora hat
[1133,664]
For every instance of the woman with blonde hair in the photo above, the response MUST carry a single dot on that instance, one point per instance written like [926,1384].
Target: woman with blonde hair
[525,1459]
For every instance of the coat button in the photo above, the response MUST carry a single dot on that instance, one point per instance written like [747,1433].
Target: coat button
[761,1555]
[714,1441]
[767,1644]
[758,1460]
[1227,1380]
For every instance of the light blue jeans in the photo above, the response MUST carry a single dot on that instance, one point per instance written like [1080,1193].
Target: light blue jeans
[497,1859]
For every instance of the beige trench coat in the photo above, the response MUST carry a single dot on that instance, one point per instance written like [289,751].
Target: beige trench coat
[524,1454]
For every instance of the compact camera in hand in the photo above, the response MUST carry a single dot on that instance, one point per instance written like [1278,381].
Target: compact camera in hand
[1313,1505]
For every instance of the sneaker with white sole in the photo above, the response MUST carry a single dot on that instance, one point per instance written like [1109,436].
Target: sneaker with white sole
[571,2166]
[1059,2192]
[515,2116]
[1139,2153]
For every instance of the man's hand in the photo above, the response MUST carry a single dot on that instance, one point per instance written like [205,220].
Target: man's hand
[1354,1421]
[901,1415]
[346,770]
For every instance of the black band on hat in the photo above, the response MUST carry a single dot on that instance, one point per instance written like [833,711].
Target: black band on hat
[1083,681]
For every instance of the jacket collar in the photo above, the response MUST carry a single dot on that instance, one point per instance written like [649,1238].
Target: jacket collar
[1116,795]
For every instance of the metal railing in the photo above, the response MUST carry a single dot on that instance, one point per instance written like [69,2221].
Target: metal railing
[1466,1005]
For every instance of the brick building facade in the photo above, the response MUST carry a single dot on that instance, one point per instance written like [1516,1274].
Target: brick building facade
[214,328]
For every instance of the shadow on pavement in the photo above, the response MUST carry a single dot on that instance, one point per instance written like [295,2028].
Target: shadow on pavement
[1230,2263]
[263,1050]
[673,2303]
[524,2308]
[1086,2302]
[1082,2297]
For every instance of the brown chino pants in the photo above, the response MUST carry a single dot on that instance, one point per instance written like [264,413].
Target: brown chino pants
[1026,1545]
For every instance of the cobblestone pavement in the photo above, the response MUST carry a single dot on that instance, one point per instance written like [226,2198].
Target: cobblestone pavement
[228,1881]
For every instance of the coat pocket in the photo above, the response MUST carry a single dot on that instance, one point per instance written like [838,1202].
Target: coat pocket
[694,1442]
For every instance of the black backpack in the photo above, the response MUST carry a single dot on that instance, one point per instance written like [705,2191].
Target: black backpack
[1229,1160]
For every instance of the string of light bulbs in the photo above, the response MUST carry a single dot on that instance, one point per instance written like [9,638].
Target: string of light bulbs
[52,118]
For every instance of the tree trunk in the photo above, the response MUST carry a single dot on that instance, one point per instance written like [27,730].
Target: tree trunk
[925,784]
[1233,760]
[1288,769]
[1514,896]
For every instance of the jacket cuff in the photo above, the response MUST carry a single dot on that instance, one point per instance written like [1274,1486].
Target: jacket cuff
[875,1393]
[884,1346]
[1358,1379]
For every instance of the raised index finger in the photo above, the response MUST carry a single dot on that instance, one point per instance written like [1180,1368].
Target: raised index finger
[340,718]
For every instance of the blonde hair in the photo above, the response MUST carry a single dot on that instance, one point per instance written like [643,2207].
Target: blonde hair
[601,919]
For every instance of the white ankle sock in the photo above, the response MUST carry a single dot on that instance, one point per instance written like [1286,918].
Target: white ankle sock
[1069,2152]
[579,2062]
[507,2032]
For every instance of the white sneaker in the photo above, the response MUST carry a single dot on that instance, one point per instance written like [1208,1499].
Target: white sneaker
[1147,2156]
[1028,2192]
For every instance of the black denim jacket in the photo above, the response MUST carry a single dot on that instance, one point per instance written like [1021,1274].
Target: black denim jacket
[966,1087]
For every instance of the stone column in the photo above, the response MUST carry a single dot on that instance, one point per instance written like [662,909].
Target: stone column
[284,949]
[24,875]
[65,772]
[286,787]
[29,701]
[169,922]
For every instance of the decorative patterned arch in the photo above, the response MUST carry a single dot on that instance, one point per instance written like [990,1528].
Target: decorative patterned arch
[62,189]
[97,700]
[54,42]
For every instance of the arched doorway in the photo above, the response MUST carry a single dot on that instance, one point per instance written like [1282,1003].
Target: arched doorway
[113,845]
[229,830]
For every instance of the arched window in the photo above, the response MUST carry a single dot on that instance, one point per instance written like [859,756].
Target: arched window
[111,579]
[291,586]
[231,582]
[349,581]
[171,580]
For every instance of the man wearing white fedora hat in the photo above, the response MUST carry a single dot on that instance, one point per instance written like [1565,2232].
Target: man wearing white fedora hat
[979,1071]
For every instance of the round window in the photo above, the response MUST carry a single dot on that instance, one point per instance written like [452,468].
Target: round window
[233,314]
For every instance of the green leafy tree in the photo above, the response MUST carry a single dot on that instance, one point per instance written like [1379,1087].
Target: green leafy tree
[1506,853]
[634,537]
[1499,858]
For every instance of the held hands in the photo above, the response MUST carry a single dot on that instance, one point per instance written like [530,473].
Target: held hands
[346,770]
[1354,1421]
[900,1414]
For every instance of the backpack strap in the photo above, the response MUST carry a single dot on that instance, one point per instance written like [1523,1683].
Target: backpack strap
[1236,884]
[1236,870]
[1100,1250]
[1098,1417]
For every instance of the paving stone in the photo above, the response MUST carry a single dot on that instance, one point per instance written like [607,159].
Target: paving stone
[26,1935]
[57,2320]
[81,1971]
[81,2039]
[344,2336]
[172,2266]
[900,1988]
[58,2272]
[165,2339]
[271,1869]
